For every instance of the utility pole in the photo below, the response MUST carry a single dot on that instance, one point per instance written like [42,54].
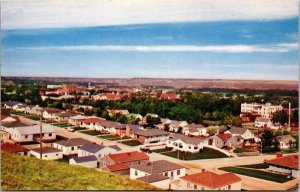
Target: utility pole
[289,128]
[41,135]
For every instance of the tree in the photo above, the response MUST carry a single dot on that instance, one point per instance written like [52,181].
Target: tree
[167,127]
[280,117]
[295,116]
[212,130]
[232,120]
[269,144]
[151,121]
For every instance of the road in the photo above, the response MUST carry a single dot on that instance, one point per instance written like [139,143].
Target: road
[194,166]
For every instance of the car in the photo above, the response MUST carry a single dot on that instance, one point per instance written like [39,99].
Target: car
[70,129]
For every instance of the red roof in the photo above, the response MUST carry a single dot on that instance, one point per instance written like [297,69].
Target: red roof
[212,180]
[3,117]
[13,148]
[290,161]
[118,167]
[224,136]
[16,118]
[93,120]
[53,111]
[128,157]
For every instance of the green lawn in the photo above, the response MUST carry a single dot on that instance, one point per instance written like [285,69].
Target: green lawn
[161,150]
[78,128]
[131,143]
[256,166]
[205,154]
[258,174]
[241,150]
[29,173]
[112,137]
[62,125]
[91,132]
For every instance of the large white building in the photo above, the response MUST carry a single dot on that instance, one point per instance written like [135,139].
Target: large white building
[264,110]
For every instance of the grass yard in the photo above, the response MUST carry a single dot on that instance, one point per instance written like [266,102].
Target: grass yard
[78,128]
[241,150]
[258,174]
[62,125]
[161,150]
[256,166]
[91,132]
[205,154]
[29,173]
[112,137]
[131,143]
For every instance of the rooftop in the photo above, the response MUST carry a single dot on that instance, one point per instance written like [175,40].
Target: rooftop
[46,150]
[150,132]
[153,178]
[224,136]
[289,161]
[73,142]
[128,157]
[85,159]
[212,180]
[118,167]
[157,167]
[13,148]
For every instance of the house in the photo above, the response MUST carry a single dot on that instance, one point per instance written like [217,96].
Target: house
[196,130]
[165,121]
[86,161]
[169,96]
[186,144]
[10,104]
[144,119]
[223,140]
[120,169]
[48,153]
[286,142]
[130,158]
[33,110]
[261,122]
[14,148]
[161,167]
[8,126]
[108,126]
[207,180]
[91,123]
[63,116]
[138,117]
[285,165]
[50,113]
[150,136]
[76,120]
[21,107]
[130,129]
[32,133]
[8,119]
[240,131]
[262,110]
[158,180]
[4,136]
[98,150]
[113,112]
[70,146]
[175,125]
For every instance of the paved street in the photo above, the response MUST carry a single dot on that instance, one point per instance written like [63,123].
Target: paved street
[194,166]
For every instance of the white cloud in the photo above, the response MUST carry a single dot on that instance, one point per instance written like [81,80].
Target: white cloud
[16,14]
[177,48]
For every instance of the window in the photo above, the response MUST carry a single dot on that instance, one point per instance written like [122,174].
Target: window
[136,172]
[178,172]
[72,148]
[195,186]
[50,134]
[166,174]
[26,136]
[56,154]
[45,156]
[229,187]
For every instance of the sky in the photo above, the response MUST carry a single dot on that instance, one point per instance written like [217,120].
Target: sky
[223,39]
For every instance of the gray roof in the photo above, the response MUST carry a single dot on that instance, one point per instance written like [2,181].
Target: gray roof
[92,147]
[157,167]
[47,150]
[109,124]
[85,159]
[121,126]
[286,138]
[34,129]
[66,114]
[237,130]
[187,139]
[153,178]
[150,132]
[73,142]
[14,124]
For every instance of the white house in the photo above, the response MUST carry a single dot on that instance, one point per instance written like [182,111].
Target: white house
[174,125]
[195,130]
[264,110]
[48,153]
[161,167]
[70,146]
[86,161]
[90,123]
[76,120]
[98,150]
[50,113]
[240,131]
[286,165]
[185,143]
[224,139]
[108,126]
[286,142]
[63,116]
[261,122]
[32,133]
[147,136]
[33,110]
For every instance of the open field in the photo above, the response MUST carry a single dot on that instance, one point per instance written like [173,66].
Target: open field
[205,154]
[29,173]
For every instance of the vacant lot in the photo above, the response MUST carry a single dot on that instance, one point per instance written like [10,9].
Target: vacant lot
[28,173]
[258,174]
[205,154]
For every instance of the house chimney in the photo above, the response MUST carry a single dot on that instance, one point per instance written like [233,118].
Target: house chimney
[278,155]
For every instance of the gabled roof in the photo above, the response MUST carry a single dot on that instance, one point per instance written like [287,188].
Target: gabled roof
[289,161]
[186,139]
[118,167]
[157,167]
[85,159]
[94,147]
[52,111]
[238,130]
[4,117]
[93,120]
[212,180]
[73,142]
[34,129]
[224,136]
[153,178]
[128,157]
[65,114]
[150,132]
[109,124]
[47,150]
[13,148]
[286,139]
[13,124]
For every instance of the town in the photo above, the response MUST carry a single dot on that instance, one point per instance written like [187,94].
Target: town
[173,139]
